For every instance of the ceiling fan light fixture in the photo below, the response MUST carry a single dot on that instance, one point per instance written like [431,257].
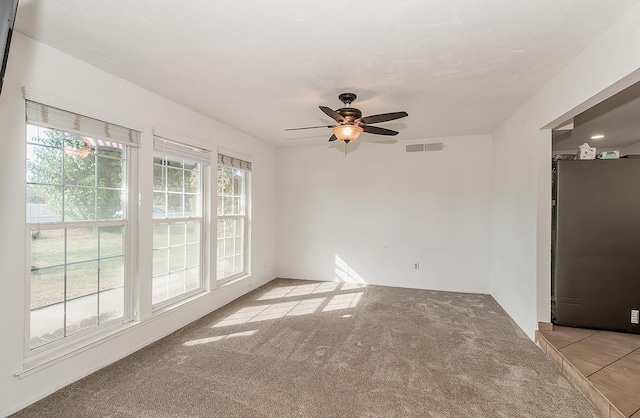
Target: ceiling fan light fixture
[347,132]
[350,123]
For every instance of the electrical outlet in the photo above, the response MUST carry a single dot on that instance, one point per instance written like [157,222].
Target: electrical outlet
[416,266]
[635,316]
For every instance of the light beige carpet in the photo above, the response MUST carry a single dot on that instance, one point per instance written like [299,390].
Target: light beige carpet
[312,349]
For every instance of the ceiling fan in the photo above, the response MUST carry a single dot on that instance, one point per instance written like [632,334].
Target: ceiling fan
[351,123]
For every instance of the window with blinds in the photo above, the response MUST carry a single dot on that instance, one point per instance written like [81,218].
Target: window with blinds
[78,187]
[233,209]
[179,220]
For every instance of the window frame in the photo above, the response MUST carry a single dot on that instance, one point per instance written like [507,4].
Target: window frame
[204,218]
[246,218]
[130,243]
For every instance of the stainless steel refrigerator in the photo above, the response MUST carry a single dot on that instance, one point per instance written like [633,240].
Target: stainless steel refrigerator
[596,248]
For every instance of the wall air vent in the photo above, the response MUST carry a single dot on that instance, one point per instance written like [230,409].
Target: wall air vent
[437,146]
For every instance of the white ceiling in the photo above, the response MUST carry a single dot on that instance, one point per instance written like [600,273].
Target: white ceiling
[456,66]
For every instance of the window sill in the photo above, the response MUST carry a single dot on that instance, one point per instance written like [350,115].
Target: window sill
[233,280]
[45,359]
[166,307]
[40,361]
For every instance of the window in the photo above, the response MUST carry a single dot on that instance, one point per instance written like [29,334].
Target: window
[77,193]
[233,180]
[178,212]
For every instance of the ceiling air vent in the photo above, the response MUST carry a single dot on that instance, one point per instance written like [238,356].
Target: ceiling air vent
[437,146]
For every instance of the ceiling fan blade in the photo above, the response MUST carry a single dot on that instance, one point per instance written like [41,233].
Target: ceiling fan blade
[332,114]
[309,127]
[378,130]
[383,117]
[333,138]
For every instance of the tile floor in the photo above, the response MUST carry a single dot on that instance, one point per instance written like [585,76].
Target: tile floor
[603,365]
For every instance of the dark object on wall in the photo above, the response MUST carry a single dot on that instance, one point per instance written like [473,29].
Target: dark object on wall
[596,281]
[8,9]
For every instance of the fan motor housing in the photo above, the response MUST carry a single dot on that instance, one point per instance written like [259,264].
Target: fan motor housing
[350,113]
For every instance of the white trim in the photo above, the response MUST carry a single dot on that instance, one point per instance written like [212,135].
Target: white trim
[157,221]
[26,312]
[180,151]
[246,218]
[37,364]
[61,103]
[206,237]
[159,306]
[132,235]
[175,137]
[209,306]
[211,276]
[169,304]
[34,226]
[248,203]
[46,358]
[166,147]
[59,347]
[228,281]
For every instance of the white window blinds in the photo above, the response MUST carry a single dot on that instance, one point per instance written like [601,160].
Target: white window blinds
[234,162]
[166,146]
[53,118]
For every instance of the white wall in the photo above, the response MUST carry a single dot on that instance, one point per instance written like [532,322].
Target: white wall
[521,166]
[368,217]
[39,67]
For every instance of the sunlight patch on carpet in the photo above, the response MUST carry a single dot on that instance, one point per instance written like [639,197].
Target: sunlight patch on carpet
[208,340]
[301,290]
[273,311]
[345,301]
